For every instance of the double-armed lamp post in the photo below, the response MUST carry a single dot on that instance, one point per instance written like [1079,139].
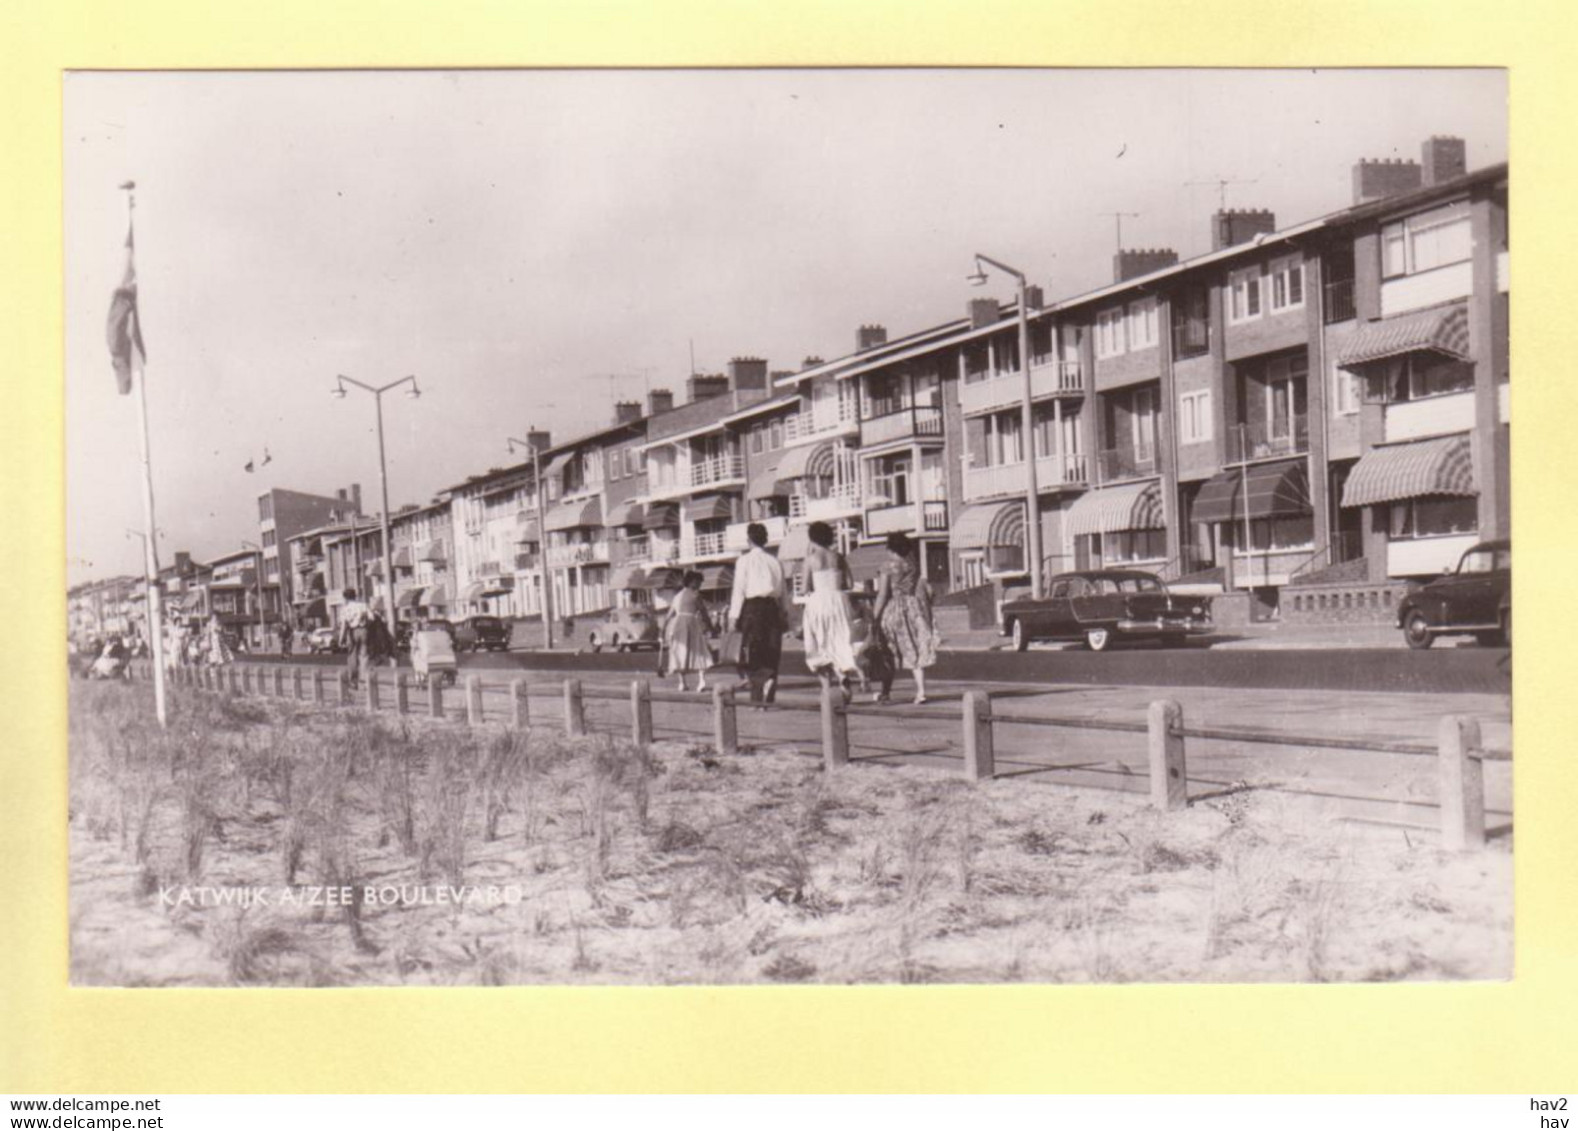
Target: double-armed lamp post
[1027,422]
[378,392]
[510,444]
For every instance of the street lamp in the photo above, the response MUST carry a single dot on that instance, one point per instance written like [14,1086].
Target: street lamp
[338,392]
[1027,422]
[510,444]
[257,573]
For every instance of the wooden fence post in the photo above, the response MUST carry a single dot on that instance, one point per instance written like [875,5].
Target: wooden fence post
[295,683]
[435,695]
[835,729]
[402,695]
[1462,784]
[279,681]
[372,689]
[345,689]
[725,723]
[520,704]
[246,678]
[474,700]
[1169,780]
[235,681]
[317,685]
[641,712]
[980,758]
[574,708]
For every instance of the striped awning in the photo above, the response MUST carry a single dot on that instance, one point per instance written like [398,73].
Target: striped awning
[1274,490]
[627,513]
[812,460]
[795,544]
[435,595]
[1443,330]
[989,524]
[317,609]
[409,598]
[556,464]
[766,478]
[717,577]
[576,513]
[708,507]
[1133,506]
[1442,466]
[660,516]
[627,577]
[663,577]
[402,557]
[472,591]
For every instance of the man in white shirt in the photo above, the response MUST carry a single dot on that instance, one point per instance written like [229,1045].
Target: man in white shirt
[354,616]
[758,611]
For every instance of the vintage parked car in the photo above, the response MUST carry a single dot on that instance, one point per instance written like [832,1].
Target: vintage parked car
[324,639]
[1475,599]
[1098,606]
[482,633]
[624,630]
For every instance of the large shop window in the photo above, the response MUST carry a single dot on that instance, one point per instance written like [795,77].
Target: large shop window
[1431,517]
[1425,241]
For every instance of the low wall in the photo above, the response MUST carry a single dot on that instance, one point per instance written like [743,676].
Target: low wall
[1340,602]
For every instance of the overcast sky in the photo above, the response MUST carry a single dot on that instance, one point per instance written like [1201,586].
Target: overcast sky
[528,243]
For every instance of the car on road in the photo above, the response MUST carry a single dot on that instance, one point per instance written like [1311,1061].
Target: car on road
[1475,599]
[624,630]
[481,633]
[1099,606]
[324,639]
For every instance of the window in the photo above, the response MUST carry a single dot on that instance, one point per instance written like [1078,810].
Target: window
[758,439]
[1040,342]
[265,508]
[1109,333]
[1005,354]
[1194,416]
[1134,545]
[1287,283]
[890,480]
[1243,299]
[1433,516]
[1426,241]
[775,435]
[975,358]
[1417,376]
[268,537]
[1143,422]
[1269,535]
[1346,391]
[1142,323]
[1191,323]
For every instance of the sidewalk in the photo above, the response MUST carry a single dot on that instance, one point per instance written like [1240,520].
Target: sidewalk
[1237,637]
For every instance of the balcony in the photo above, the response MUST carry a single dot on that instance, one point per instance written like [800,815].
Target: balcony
[1191,339]
[735,542]
[1260,440]
[1117,464]
[1338,306]
[700,546]
[527,561]
[841,502]
[633,551]
[821,422]
[577,553]
[718,470]
[1047,379]
[1052,472]
[905,424]
[929,517]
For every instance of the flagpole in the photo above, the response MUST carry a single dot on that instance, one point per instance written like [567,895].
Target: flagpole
[150,550]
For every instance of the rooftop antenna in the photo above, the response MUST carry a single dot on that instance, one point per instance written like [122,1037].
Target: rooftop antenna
[1221,184]
[1118,220]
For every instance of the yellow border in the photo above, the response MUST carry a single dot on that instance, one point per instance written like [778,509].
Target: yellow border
[1516,1037]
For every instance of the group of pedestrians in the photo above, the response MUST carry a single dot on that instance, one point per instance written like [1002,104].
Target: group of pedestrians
[841,647]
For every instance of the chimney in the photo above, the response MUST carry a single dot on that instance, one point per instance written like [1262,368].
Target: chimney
[983,312]
[539,439]
[747,373]
[1443,158]
[1233,226]
[700,387]
[1035,298]
[659,400]
[811,362]
[869,337]
[355,498]
[1130,263]
[183,563]
[1376,180]
[626,412]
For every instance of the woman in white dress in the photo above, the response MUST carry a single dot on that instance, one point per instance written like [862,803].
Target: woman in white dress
[827,622]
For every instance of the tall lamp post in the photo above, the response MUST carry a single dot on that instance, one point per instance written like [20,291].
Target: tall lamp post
[510,444]
[378,392]
[257,574]
[1027,421]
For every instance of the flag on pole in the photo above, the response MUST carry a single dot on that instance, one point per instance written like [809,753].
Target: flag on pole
[125,329]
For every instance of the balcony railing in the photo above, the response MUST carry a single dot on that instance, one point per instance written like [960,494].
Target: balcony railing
[1125,463]
[1260,440]
[826,419]
[719,469]
[842,500]
[1052,472]
[735,541]
[920,421]
[578,553]
[1047,378]
[1339,301]
[1191,339]
[930,516]
[633,551]
[705,545]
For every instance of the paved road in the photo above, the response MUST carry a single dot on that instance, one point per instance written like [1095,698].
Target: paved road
[1448,670]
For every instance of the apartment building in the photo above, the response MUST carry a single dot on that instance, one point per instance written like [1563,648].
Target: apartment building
[98,609]
[420,536]
[233,589]
[284,514]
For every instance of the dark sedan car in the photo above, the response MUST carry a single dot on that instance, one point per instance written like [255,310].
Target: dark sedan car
[482,633]
[1476,600]
[1098,606]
